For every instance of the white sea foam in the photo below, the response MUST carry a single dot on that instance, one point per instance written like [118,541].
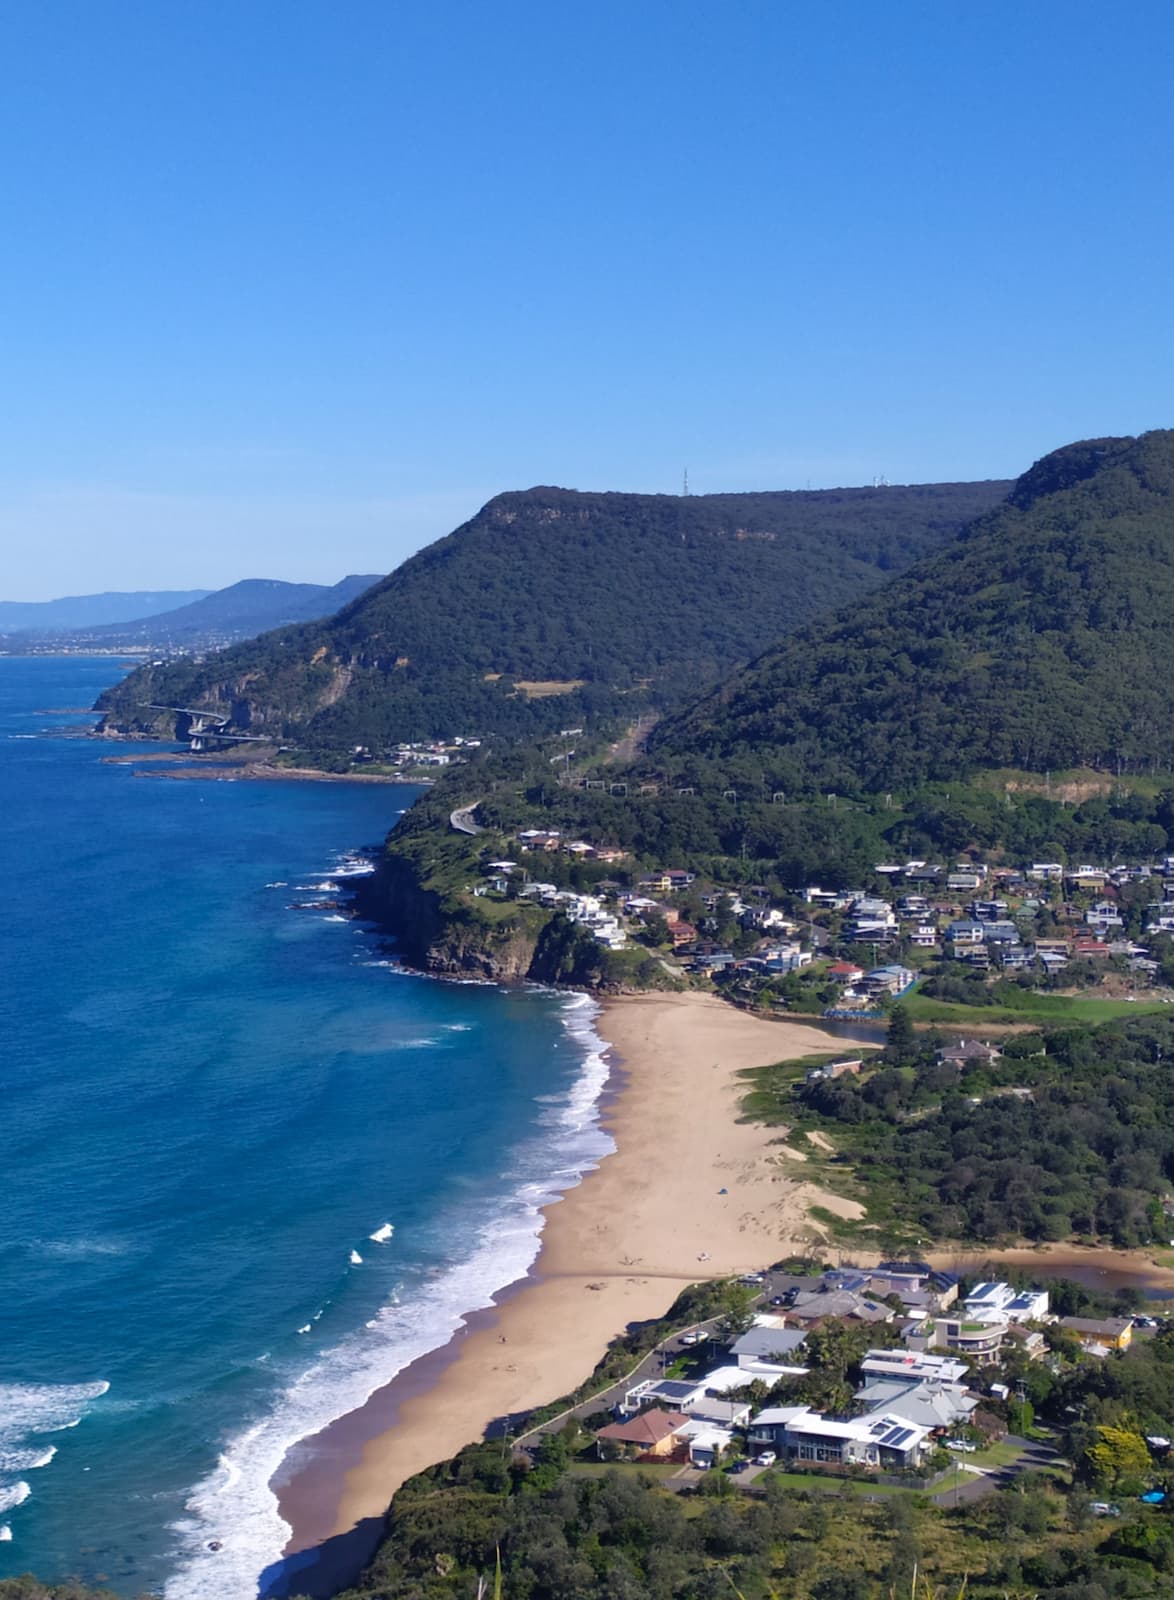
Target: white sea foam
[458,1027]
[356,1259]
[382,1234]
[14,1495]
[29,1409]
[279,883]
[27,1460]
[234,1506]
[304,1329]
[5,1534]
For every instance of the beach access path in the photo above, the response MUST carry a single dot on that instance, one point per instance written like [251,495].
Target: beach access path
[691,1192]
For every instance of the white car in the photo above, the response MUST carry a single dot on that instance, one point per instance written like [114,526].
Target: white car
[766,1458]
[697,1337]
[963,1445]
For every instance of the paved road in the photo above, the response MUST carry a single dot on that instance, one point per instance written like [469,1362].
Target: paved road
[652,1366]
[975,1483]
[462,819]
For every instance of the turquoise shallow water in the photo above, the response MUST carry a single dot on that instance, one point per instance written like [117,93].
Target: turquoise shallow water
[212,1099]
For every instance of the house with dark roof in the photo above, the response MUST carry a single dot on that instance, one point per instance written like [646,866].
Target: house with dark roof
[968,1052]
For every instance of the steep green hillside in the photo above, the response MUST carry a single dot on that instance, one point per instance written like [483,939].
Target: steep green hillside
[611,600]
[1042,639]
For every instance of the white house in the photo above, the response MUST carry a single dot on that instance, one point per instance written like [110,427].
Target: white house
[800,1434]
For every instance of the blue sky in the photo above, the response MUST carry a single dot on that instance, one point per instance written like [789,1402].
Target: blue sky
[290,287]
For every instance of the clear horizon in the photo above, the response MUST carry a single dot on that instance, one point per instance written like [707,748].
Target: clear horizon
[292,299]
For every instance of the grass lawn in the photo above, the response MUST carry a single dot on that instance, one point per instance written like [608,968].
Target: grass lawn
[993,1457]
[1031,1008]
[820,1484]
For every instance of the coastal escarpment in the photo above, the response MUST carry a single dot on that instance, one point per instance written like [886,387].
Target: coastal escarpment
[441,928]
[436,933]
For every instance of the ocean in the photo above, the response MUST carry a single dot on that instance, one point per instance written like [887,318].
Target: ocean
[248,1168]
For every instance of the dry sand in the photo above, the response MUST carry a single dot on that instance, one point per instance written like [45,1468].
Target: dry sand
[690,1193]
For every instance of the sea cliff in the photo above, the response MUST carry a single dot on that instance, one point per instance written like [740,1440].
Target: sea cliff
[418,895]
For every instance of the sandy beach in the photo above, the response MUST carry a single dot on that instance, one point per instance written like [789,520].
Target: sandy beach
[690,1193]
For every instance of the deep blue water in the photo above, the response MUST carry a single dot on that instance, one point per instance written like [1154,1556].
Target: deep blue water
[210,1099]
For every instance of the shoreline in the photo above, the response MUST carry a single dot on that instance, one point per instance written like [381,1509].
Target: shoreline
[688,1193]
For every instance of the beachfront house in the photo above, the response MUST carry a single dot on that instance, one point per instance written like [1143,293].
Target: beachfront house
[654,1435]
[880,1443]
[772,1345]
[1098,1335]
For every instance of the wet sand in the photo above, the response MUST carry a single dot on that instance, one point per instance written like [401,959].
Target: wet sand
[690,1193]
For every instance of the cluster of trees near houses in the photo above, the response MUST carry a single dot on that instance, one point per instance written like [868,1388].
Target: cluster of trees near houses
[565,1530]
[1072,1133]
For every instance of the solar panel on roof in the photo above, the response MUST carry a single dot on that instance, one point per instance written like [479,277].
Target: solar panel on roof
[901,1437]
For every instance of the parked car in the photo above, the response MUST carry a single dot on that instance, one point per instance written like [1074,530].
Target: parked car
[964,1445]
[694,1336]
[1102,1508]
[765,1458]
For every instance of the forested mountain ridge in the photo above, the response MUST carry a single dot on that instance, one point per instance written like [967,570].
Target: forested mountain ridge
[1041,639]
[616,600]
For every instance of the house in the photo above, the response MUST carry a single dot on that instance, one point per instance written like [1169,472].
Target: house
[1045,872]
[913,1367]
[917,1290]
[1101,1333]
[729,1379]
[1089,949]
[675,1394]
[1104,915]
[845,972]
[887,980]
[981,1341]
[610,853]
[940,1407]
[772,1345]
[848,1304]
[924,936]
[798,1433]
[1012,957]
[707,1441]
[1086,877]
[966,933]
[825,899]
[967,1053]
[1000,1302]
[967,878]
[681,933]
[989,910]
[653,1434]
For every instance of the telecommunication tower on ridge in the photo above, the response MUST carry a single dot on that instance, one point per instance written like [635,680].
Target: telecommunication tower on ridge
[685,487]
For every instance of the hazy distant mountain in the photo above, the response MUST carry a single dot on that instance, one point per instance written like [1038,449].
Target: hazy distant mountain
[241,612]
[551,605]
[91,610]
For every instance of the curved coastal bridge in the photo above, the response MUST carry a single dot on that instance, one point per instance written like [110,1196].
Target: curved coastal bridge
[204,725]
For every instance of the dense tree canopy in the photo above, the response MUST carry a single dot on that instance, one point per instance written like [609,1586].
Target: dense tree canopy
[1040,640]
[635,599]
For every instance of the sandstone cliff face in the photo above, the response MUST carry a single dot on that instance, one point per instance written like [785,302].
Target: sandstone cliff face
[436,939]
